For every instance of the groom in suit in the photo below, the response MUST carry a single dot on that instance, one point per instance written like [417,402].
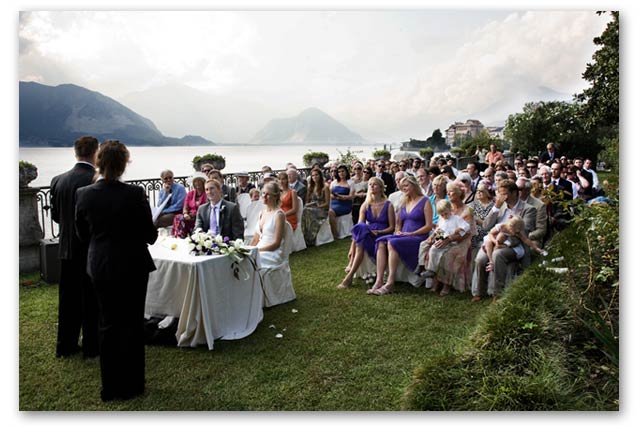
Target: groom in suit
[77,301]
[508,204]
[219,216]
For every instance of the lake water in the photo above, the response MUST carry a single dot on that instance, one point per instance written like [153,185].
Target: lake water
[148,162]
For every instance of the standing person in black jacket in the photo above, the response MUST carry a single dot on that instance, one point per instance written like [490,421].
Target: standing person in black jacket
[389,182]
[115,219]
[77,304]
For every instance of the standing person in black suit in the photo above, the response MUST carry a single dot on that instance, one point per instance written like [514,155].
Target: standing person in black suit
[77,303]
[115,219]
[224,218]
[389,182]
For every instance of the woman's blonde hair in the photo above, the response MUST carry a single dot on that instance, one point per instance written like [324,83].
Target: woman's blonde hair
[274,189]
[380,182]
[411,180]
[453,186]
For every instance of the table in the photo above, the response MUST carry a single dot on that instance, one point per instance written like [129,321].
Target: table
[202,291]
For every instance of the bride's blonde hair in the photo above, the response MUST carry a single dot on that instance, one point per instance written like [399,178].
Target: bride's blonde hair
[274,189]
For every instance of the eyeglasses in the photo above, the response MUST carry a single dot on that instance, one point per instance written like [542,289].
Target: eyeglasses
[531,167]
[367,172]
[357,169]
[380,165]
[206,170]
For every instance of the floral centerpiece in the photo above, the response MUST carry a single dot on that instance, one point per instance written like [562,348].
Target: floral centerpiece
[205,243]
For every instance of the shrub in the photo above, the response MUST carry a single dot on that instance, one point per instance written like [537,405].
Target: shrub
[385,154]
[207,158]
[308,158]
[551,341]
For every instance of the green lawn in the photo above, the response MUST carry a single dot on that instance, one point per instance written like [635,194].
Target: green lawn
[342,350]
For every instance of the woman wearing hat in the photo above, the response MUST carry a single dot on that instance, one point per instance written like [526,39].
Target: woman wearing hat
[183,223]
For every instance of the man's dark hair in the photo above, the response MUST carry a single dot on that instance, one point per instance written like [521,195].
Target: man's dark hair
[85,146]
[509,185]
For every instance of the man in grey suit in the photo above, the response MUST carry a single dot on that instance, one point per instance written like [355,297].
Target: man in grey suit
[295,184]
[540,230]
[219,216]
[507,204]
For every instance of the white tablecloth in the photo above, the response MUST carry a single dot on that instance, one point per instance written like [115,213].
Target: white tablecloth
[202,291]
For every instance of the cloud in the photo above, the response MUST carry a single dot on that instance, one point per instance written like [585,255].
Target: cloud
[532,49]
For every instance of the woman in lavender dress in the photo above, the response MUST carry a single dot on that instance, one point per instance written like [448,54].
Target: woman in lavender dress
[376,218]
[414,224]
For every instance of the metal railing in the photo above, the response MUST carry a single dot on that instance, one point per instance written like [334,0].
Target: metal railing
[151,187]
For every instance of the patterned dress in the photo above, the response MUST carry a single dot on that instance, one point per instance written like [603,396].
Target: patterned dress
[455,266]
[361,232]
[481,212]
[183,227]
[313,217]
[407,246]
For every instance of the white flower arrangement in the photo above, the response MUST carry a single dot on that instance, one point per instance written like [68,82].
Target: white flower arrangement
[205,243]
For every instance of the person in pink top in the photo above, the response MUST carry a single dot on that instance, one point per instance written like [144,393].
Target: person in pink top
[183,223]
[493,156]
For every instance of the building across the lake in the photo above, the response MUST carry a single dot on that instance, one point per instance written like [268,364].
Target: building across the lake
[470,128]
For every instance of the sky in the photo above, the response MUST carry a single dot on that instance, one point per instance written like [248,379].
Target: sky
[380,96]
[386,74]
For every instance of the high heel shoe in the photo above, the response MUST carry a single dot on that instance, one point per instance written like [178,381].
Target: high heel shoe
[374,289]
[386,289]
[445,290]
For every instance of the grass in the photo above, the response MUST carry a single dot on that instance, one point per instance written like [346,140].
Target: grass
[342,350]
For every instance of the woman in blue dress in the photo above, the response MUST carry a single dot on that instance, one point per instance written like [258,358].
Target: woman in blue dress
[376,218]
[415,222]
[342,192]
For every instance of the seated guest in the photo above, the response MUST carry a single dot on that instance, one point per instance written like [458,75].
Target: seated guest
[465,179]
[396,197]
[413,225]
[205,168]
[173,206]
[507,204]
[228,194]
[316,208]
[453,270]
[360,186]
[289,200]
[254,193]
[341,191]
[243,186]
[219,216]
[449,226]
[295,183]
[540,230]
[183,223]
[481,206]
[270,231]
[377,218]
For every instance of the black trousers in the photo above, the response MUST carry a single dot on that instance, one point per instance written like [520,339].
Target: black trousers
[77,310]
[122,335]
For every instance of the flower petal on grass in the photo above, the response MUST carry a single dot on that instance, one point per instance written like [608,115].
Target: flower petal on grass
[293,310]
[279,335]
[272,326]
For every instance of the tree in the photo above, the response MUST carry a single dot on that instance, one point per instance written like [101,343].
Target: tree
[555,121]
[601,107]
[436,141]
[483,139]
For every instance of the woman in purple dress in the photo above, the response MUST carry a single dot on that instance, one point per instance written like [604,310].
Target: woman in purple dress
[414,224]
[376,218]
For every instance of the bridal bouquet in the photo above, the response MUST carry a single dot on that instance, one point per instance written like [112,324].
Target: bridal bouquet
[201,243]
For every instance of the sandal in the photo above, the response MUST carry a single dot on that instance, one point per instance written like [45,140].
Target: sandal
[445,291]
[476,298]
[374,289]
[386,289]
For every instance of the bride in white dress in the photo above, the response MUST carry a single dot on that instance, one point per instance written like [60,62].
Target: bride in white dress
[274,246]
[270,231]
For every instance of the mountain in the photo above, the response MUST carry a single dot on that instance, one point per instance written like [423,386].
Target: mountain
[225,117]
[311,126]
[55,116]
